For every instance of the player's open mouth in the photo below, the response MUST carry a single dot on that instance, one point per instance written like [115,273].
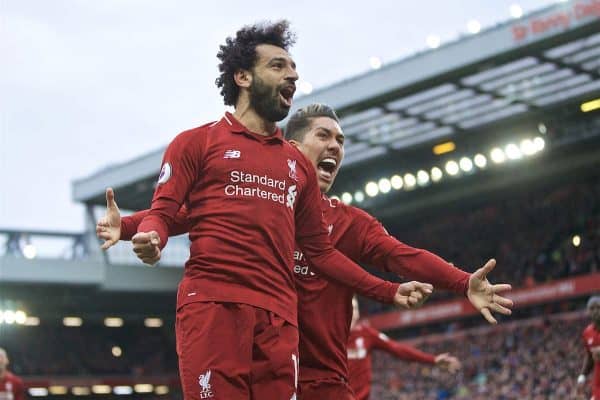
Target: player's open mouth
[287,94]
[327,168]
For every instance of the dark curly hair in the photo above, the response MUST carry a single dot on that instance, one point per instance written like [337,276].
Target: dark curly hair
[240,53]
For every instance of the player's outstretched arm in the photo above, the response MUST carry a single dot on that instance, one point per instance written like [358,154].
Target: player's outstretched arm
[108,228]
[588,364]
[404,351]
[485,297]
[112,228]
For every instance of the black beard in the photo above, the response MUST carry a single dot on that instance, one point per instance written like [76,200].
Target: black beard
[265,101]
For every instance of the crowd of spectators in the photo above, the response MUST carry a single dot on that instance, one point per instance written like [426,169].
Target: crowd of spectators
[537,361]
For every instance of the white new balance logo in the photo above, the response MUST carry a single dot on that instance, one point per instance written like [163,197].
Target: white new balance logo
[204,382]
[232,154]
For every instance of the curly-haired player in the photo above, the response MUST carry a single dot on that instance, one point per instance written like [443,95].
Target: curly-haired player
[251,196]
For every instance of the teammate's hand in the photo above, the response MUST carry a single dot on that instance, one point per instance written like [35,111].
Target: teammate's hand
[484,296]
[447,362]
[108,227]
[412,294]
[146,245]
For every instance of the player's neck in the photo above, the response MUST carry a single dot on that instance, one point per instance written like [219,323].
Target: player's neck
[3,374]
[248,117]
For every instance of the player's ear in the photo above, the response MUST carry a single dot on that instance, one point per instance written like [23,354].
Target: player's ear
[294,143]
[242,78]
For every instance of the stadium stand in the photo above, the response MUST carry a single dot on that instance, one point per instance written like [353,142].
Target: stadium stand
[536,358]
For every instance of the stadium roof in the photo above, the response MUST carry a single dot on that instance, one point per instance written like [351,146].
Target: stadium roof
[547,58]
[535,63]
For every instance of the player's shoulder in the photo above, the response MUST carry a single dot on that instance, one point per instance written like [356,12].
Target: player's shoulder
[349,211]
[357,212]
[200,130]
[192,136]
[588,330]
[14,378]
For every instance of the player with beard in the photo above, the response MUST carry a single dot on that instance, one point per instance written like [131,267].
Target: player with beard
[11,386]
[363,339]
[250,196]
[324,306]
[591,343]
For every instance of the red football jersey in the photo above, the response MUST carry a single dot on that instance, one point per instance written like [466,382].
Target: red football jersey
[591,342]
[325,307]
[250,198]
[11,387]
[362,340]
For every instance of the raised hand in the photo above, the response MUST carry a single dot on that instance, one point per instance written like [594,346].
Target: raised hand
[108,227]
[412,294]
[146,245]
[484,296]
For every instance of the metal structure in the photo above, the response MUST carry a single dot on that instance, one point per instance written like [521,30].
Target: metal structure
[527,66]
[520,69]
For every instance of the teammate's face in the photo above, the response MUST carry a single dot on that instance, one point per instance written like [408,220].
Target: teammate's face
[594,311]
[273,83]
[323,144]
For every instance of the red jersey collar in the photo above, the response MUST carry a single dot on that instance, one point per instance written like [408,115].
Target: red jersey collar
[236,127]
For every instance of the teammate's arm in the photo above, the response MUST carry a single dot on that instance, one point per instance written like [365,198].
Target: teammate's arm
[382,250]
[313,239]
[410,353]
[588,364]
[180,168]
[112,227]
[399,350]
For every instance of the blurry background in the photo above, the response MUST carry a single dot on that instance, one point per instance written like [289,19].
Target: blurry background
[473,130]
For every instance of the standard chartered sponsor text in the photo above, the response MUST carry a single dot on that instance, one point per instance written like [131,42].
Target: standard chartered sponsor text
[265,192]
